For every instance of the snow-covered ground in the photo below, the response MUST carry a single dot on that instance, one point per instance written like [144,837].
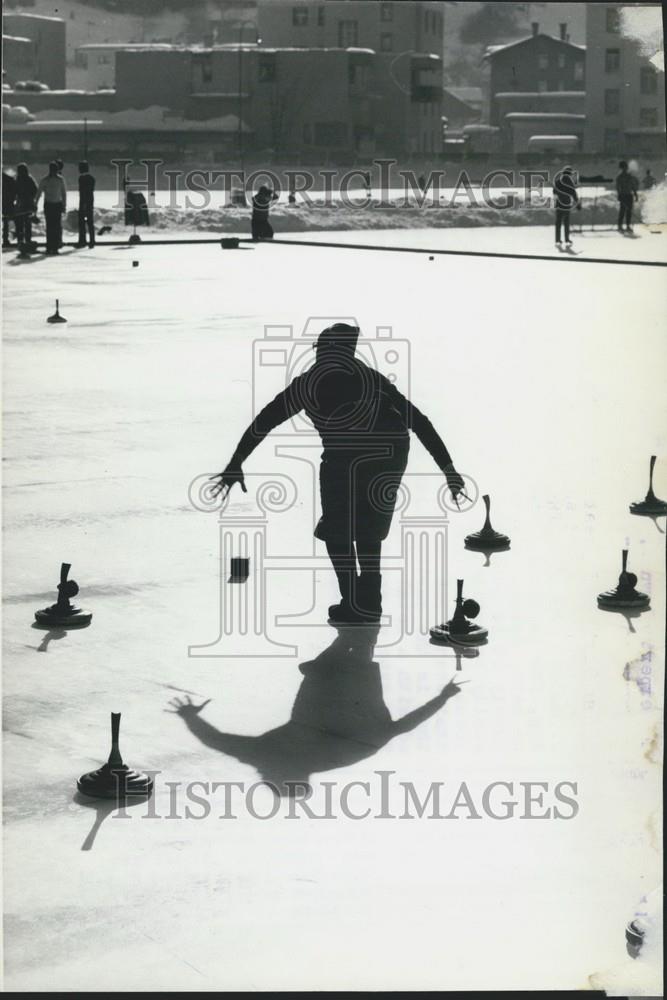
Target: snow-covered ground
[546,380]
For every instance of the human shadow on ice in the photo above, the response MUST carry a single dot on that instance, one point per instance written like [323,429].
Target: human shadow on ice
[339,717]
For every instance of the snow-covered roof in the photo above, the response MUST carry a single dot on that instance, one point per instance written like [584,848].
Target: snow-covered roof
[468,95]
[15,38]
[554,138]
[33,17]
[152,119]
[539,115]
[493,50]
[539,93]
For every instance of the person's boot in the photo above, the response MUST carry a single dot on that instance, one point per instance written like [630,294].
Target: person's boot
[367,604]
[342,613]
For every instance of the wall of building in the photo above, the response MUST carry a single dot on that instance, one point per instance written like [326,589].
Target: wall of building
[540,63]
[625,93]
[18,59]
[146,77]
[49,35]
[394,27]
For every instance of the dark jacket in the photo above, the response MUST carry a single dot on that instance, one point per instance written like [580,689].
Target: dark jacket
[565,191]
[348,404]
[26,192]
[86,189]
[626,185]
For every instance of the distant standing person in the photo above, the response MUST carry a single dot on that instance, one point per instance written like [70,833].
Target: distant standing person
[260,226]
[626,189]
[649,181]
[8,206]
[566,198]
[26,196]
[55,205]
[86,204]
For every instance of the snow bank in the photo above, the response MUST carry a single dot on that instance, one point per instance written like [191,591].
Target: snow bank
[321,217]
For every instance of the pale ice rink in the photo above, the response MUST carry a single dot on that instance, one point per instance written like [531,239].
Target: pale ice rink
[546,381]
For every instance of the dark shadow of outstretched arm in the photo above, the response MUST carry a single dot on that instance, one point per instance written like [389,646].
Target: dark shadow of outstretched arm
[415,718]
[232,744]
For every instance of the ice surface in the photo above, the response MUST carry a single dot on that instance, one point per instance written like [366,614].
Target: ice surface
[546,381]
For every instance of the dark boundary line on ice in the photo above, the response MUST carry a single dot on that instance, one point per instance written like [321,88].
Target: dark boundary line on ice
[371,246]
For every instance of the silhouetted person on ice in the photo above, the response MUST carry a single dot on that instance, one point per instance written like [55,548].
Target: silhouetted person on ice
[26,204]
[86,204]
[338,718]
[364,423]
[566,198]
[627,191]
[55,205]
[260,227]
[8,205]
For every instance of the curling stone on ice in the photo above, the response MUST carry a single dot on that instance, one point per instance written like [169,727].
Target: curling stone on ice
[63,613]
[56,317]
[459,629]
[115,780]
[625,595]
[651,505]
[488,537]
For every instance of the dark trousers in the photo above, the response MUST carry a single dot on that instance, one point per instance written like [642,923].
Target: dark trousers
[625,210]
[563,219]
[261,228]
[53,215]
[86,222]
[6,219]
[24,224]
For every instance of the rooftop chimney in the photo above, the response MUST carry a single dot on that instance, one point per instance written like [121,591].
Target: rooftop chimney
[563,32]
[536,27]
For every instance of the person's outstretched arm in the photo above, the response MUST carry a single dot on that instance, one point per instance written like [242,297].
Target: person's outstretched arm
[285,405]
[429,437]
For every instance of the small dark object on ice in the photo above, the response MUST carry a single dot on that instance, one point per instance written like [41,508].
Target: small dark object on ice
[651,505]
[459,630]
[56,317]
[239,570]
[625,595]
[487,538]
[115,780]
[63,613]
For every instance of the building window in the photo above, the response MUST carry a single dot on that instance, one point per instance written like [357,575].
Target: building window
[612,102]
[612,140]
[267,69]
[386,42]
[561,60]
[386,12]
[613,21]
[648,117]
[348,34]
[648,80]
[543,61]
[320,16]
[542,86]
[612,60]
[579,70]
[299,16]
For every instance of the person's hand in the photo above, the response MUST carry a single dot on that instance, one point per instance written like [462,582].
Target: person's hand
[451,688]
[455,482]
[185,707]
[224,481]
